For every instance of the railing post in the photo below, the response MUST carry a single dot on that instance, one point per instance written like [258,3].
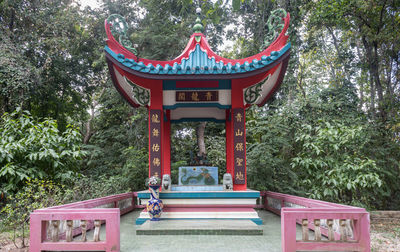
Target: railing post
[364,232]
[36,233]
[113,231]
[265,200]
[288,227]
[133,201]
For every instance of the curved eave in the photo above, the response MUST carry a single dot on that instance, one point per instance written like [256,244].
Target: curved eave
[248,71]
[279,43]
[118,86]
[277,84]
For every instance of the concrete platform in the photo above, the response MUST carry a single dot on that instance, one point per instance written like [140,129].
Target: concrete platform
[202,205]
[270,240]
[203,214]
[202,227]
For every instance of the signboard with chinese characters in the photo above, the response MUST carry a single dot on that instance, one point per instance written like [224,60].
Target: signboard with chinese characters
[196,96]
[155,142]
[198,175]
[239,145]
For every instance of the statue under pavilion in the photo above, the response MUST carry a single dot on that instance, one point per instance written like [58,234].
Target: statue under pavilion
[199,85]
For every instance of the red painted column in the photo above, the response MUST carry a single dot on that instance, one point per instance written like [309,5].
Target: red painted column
[156,130]
[238,136]
[239,149]
[228,143]
[155,142]
[167,144]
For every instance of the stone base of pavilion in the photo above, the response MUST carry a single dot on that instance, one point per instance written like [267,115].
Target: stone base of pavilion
[199,227]
[205,205]
[133,238]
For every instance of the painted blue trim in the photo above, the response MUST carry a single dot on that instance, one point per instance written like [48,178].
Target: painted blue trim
[196,105]
[202,195]
[258,221]
[140,221]
[199,63]
[225,84]
[171,85]
[198,120]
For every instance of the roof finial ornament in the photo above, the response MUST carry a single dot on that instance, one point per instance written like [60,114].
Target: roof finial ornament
[119,27]
[198,27]
[275,24]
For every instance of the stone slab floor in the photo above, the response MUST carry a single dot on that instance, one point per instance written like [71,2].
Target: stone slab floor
[270,241]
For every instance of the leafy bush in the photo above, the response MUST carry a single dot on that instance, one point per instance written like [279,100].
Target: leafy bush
[33,195]
[269,150]
[332,165]
[131,177]
[32,149]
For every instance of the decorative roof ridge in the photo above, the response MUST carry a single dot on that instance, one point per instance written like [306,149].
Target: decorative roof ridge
[199,39]
[198,62]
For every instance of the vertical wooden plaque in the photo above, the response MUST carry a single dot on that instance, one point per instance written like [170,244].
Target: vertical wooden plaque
[155,120]
[239,146]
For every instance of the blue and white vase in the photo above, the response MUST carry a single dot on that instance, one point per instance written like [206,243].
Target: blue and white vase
[154,205]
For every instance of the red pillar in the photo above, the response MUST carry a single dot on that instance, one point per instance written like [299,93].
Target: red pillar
[237,141]
[155,142]
[238,123]
[167,144]
[228,143]
[156,130]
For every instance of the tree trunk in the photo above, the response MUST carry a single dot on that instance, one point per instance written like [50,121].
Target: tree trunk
[88,134]
[372,87]
[372,68]
[360,57]
[332,67]
[378,84]
[89,124]
[12,19]
[300,80]
[200,139]
[390,91]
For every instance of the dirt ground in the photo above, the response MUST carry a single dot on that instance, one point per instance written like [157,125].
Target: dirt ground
[385,237]
[7,245]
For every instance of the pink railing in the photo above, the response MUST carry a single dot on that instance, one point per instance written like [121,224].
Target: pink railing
[335,227]
[54,228]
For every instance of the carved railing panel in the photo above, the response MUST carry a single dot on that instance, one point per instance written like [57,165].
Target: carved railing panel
[325,226]
[54,229]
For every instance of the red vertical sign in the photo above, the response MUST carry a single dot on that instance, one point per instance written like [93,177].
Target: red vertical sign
[155,119]
[239,146]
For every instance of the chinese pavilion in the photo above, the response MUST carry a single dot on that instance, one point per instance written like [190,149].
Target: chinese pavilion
[198,85]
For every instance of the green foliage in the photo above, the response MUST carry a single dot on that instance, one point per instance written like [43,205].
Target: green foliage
[31,149]
[136,168]
[17,75]
[216,153]
[33,195]
[332,163]
[117,128]
[269,149]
